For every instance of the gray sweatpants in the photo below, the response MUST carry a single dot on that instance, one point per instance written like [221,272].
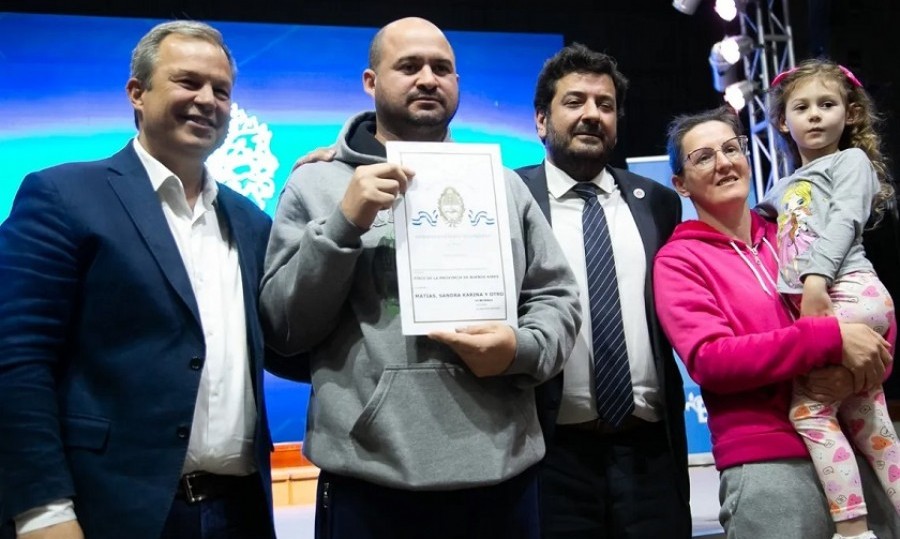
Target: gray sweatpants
[783,499]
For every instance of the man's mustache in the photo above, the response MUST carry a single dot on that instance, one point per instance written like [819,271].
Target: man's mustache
[589,129]
[433,96]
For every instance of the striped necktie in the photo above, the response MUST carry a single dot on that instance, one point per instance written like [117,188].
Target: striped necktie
[612,376]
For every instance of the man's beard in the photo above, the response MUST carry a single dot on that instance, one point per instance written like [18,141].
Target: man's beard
[416,125]
[582,163]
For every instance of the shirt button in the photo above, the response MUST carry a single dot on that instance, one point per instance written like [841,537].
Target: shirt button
[196,363]
[182,432]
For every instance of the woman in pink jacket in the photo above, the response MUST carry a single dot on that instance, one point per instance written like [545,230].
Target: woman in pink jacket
[716,298]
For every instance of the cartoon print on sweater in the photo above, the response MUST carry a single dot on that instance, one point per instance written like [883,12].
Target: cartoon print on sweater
[794,235]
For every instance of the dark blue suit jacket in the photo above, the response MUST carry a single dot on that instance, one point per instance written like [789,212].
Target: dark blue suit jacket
[655,215]
[99,331]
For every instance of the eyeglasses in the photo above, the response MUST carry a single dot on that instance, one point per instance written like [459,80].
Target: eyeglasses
[705,158]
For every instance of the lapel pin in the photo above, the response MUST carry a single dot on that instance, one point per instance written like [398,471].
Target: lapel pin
[639,193]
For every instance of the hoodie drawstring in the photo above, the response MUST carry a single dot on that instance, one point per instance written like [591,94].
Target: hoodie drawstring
[775,256]
[753,267]
[792,309]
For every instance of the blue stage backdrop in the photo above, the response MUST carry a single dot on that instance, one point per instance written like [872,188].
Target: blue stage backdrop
[62,98]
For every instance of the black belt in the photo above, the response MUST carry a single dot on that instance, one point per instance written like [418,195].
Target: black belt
[198,486]
[599,426]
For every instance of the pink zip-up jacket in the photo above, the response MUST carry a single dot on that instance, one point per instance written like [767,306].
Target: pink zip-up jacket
[717,300]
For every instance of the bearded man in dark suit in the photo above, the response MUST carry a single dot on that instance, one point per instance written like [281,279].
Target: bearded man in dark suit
[603,477]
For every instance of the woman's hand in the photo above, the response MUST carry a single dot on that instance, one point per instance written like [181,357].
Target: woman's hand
[865,353]
[829,384]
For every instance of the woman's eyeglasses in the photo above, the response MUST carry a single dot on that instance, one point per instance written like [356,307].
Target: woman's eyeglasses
[705,158]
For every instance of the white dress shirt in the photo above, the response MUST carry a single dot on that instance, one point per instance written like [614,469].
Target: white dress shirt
[224,421]
[566,208]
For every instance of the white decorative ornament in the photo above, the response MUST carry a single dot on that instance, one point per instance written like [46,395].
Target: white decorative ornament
[245,161]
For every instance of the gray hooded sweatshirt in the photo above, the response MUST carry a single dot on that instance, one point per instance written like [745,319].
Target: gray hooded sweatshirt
[405,411]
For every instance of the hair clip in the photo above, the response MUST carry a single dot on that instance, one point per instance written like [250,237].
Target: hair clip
[780,77]
[850,76]
[847,73]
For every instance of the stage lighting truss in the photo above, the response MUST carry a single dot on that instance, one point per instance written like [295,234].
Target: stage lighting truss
[766,47]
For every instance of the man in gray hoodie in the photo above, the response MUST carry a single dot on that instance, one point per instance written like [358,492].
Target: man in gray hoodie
[416,436]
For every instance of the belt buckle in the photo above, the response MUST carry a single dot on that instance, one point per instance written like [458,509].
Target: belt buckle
[188,487]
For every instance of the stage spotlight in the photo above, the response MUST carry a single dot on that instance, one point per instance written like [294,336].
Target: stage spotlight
[688,7]
[738,94]
[724,72]
[734,48]
[728,9]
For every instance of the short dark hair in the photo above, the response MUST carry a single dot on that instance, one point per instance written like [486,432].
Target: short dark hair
[577,58]
[683,123]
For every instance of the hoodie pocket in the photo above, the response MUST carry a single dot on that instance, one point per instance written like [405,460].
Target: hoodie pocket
[440,426]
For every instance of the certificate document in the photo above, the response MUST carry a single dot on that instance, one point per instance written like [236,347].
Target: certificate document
[454,255]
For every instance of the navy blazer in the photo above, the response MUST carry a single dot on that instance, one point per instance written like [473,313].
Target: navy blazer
[656,214]
[101,346]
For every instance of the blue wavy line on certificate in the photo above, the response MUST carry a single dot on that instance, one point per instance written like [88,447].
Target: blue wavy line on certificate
[424,217]
[476,218]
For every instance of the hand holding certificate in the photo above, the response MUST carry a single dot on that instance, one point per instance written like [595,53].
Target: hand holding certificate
[454,256]
[487,349]
[373,188]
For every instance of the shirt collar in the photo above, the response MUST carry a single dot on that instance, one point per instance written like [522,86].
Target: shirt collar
[160,175]
[559,183]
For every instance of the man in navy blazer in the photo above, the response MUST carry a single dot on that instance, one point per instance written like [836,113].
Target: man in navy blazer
[600,480]
[131,384]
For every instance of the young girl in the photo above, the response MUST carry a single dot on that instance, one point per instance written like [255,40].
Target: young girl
[827,124]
